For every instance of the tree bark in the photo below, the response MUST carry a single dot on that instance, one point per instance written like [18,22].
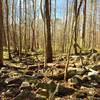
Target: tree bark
[8,35]
[20,32]
[84,24]
[1,34]
[14,27]
[76,11]
[33,27]
[48,26]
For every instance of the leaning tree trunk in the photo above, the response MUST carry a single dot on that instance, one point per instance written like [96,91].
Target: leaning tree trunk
[1,34]
[48,40]
[77,12]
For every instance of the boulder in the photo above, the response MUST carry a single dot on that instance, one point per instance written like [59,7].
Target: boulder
[43,93]
[25,95]
[51,86]
[13,81]
[8,93]
[29,72]
[38,76]
[2,84]
[4,70]
[70,74]
[81,95]
[25,86]
[96,67]
[76,79]
[4,76]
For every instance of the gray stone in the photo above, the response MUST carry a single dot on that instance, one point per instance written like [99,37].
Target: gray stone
[13,80]
[25,85]
[81,95]
[76,79]
[96,67]
[25,95]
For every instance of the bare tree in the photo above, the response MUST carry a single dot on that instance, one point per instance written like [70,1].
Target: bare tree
[8,33]
[25,39]
[1,34]
[65,28]
[77,12]
[33,26]
[84,23]
[48,39]
[20,32]
[14,27]
[94,24]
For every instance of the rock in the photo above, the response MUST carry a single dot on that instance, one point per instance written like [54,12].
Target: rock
[82,71]
[4,70]
[43,92]
[4,76]
[2,85]
[93,51]
[97,95]
[75,57]
[96,78]
[98,57]
[40,97]
[57,77]
[85,79]
[29,72]
[70,74]
[76,79]
[32,67]
[51,86]
[1,73]
[12,91]
[35,67]
[38,76]
[96,68]
[62,91]
[13,85]
[25,95]
[28,61]
[13,81]
[93,57]
[8,93]
[94,84]
[30,79]
[81,95]
[25,86]
[93,73]
[58,98]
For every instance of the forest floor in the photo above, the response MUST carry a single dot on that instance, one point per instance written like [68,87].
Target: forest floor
[30,80]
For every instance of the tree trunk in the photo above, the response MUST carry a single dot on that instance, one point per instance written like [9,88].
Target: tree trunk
[94,24]
[1,34]
[7,22]
[20,34]
[14,28]
[25,39]
[84,24]
[65,28]
[48,40]
[33,27]
[77,12]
